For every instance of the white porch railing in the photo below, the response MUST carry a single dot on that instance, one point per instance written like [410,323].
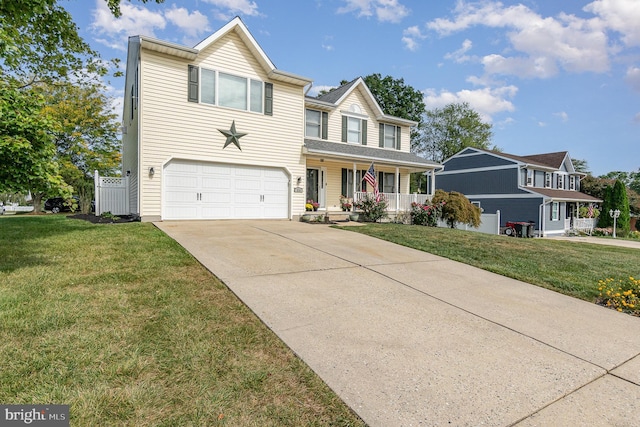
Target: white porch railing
[584,225]
[395,201]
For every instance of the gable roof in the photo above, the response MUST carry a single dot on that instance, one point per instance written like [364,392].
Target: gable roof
[237,26]
[334,98]
[544,160]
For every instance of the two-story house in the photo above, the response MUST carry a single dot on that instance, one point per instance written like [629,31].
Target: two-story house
[542,188]
[218,132]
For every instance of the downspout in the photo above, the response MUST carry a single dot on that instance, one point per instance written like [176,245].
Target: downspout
[541,218]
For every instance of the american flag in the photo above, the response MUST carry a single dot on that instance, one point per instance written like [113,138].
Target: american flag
[370,177]
[590,212]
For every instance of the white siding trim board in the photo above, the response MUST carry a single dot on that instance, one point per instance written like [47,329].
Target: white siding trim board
[482,169]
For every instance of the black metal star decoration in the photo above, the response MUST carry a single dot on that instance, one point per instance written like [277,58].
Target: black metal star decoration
[232,136]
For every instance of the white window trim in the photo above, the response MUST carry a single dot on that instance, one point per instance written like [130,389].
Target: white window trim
[352,116]
[319,124]
[395,136]
[216,101]
[548,180]
[555,211]
[529,177]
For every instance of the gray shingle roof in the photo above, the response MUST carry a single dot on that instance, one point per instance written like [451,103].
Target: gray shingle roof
[564,195]
[336,94]
[368,154]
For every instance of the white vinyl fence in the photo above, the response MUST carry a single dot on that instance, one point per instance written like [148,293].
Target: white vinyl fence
[112,194]
[489,224]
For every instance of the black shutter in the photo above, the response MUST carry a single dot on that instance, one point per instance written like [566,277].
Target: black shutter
[380,182]
[398,133]
[325,125]
[345,182]
[344,128]
[381,135]
[268,99]
[193,83]
[364,132]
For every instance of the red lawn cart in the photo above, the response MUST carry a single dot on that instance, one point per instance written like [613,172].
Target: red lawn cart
[519,228]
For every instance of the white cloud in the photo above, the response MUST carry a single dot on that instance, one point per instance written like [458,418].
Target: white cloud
[459,55]
[384,10]
[542,124]
[327,47]
[562,115]
[193,24]
[633,77]
[135,20]
[410,37]
[138,20]
[486,101]
[235,7]
[543,45]
[621,16]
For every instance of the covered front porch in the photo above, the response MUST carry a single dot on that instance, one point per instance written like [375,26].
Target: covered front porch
[560,212]
[336,173]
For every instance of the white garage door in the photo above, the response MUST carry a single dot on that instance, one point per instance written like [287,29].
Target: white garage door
[200,190]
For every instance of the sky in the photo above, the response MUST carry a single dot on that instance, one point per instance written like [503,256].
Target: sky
[548,75]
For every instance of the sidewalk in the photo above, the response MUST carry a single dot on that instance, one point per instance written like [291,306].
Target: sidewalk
[600,241]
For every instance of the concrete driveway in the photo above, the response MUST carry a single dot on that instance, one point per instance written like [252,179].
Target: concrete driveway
[407,338]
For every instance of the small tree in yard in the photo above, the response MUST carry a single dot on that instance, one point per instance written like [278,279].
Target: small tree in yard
[372,210]
[457,208]
[620,201]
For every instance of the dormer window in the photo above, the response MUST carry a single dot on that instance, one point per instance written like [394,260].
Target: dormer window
[390,136]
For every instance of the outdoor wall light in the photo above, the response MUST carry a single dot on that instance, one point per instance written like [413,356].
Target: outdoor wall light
[299,180]
[151,171]
[128,173]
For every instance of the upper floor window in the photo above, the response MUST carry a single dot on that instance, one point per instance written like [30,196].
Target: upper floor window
[228,90]
[354,130]
[529,177]
[572,182]
[389,136]
[560,182]
[316,124]
[547,179]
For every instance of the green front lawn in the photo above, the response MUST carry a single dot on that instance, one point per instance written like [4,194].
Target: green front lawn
[122,324]
[567,267]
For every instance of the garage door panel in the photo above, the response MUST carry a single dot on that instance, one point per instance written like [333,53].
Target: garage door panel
[200,190]
[216,183]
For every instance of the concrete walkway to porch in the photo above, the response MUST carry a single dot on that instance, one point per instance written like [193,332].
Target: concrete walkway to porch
[408,338]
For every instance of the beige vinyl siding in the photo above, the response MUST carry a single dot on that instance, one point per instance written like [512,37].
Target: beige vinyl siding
[176,128]
[360,99]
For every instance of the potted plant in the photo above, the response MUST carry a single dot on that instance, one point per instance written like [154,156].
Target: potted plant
[345,203]
[311,205]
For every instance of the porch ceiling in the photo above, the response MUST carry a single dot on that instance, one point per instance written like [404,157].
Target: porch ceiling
[364,154]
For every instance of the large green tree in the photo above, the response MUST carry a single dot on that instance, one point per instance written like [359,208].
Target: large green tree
[27,148]
[450,129]
[620,201]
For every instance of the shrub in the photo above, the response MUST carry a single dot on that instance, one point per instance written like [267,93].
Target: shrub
[426,214]
[622,295]
[457,208]
[372,211]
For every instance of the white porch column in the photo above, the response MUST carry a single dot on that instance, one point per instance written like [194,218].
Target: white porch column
[397,189]
[433,182]
[354,184]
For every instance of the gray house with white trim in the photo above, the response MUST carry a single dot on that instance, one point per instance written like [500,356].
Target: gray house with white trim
[542,188]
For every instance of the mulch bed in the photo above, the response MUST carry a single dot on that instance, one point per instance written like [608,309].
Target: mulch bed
[121,219]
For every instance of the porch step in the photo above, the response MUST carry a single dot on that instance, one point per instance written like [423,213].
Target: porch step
[338,216]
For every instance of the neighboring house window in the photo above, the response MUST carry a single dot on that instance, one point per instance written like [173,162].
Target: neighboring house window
[547,180]
[316,124]
[389,136]
[555,211]
[560,182]
[354,130]
[572,182]
[529,177]
[347,182]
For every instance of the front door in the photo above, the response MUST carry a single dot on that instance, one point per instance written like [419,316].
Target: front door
[316,185]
